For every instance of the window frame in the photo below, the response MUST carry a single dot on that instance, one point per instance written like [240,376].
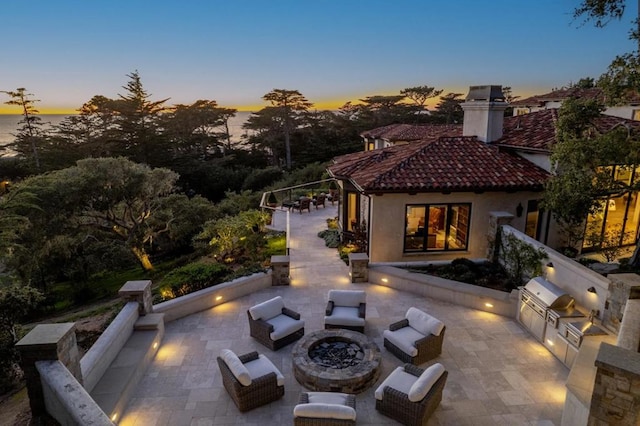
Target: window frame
[447,227]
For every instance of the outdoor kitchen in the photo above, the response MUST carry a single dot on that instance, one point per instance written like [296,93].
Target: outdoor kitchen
[552,316]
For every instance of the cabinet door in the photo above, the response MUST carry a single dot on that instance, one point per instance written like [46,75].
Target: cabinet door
[538,325]
[571,356]
[526,315]
[560,349]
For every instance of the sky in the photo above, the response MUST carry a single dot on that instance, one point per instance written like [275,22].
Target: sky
[234,51]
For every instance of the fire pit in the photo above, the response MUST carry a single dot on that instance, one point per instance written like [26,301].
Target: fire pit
[336,360]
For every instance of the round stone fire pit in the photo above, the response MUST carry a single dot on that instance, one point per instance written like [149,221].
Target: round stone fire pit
[336,360]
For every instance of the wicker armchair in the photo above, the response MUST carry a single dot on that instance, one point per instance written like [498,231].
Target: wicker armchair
[274,325]
[325,409]
[410,394]
[303,203]
[250,379]
[416,339]
[346,309]
[320,200]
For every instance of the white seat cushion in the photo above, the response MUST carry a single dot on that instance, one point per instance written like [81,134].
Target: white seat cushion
[344,316]
[423,322]
[327,397]
[283,326]
[398,380]
[262,366]
[267,309]
[351,298]
[404,339]
[325,411]
[238,369]
[425,382]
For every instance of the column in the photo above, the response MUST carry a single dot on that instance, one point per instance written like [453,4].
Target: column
[616,393]
[280,270]
[47,342]
[359,267]
[138,291]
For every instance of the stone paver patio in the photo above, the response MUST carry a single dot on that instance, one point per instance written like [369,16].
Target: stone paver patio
[498,374]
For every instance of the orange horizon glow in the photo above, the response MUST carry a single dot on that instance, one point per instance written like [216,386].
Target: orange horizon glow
[325,104]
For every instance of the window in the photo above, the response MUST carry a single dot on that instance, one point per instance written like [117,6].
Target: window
[532,225]
[436,227]
[616,217]
[352,211]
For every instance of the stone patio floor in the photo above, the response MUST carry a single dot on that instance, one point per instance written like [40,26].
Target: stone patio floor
[498,374]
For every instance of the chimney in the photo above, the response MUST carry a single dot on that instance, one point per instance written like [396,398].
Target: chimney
[484,113]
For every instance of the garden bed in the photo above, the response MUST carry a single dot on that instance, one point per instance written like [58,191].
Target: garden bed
[485,274]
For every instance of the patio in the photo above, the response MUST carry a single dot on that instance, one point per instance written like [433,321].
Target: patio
[498,374]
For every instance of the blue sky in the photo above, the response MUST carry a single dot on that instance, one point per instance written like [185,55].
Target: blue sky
[235,51]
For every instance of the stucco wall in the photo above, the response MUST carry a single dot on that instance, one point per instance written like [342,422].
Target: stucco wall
[388,221]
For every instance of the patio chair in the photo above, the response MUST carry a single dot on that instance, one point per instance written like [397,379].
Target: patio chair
[325,409]
[410,394]
[304,203]
[346,309]
[250,379]
[320,200]
[274,325]
[416,339]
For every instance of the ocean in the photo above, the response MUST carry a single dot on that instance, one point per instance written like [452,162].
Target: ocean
[9,125]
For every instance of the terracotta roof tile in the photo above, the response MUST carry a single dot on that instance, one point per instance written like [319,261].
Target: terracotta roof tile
[537,130]
[562,94]
[412,132]
[442,164]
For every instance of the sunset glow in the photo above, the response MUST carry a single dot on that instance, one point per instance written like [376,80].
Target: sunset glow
[332,51]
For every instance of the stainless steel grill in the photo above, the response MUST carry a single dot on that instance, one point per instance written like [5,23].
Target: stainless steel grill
[539,299]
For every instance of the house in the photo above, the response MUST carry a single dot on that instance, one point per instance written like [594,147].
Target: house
[402,134]
[432,198]
[554,99]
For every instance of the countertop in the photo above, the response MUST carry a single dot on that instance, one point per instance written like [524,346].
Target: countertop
[583,373]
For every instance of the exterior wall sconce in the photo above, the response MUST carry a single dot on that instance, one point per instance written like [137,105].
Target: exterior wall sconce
[519,210]
[592,290]
[550,265]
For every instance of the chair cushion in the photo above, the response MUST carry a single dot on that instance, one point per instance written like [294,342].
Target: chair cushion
[344,316]
[351,298]
[404,338]
[425,382]
[327,397]
[423,322]
[238,369]
[399,380]
[283,326]
[268,309]
[261,366]
[324,411]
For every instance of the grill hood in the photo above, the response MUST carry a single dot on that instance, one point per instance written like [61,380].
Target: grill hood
[549,294]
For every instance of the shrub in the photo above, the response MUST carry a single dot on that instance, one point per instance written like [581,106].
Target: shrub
[192,277]
[331,237]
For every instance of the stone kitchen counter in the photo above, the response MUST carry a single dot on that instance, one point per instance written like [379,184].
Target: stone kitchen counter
[581,380]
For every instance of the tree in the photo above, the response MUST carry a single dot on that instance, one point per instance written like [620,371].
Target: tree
[102,200]
[419,95]
[15,302]
[31,131]
[583,160]
[449,110]
[137,117]
[288,104]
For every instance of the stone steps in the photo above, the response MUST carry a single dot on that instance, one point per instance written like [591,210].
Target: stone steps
[113,391]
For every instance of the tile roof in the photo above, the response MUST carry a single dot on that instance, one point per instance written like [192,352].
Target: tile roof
[560,95]
[565,93]
[537,130]
[456,164]
[412,132]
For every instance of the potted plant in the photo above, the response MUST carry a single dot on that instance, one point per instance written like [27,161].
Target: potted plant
[272,201]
